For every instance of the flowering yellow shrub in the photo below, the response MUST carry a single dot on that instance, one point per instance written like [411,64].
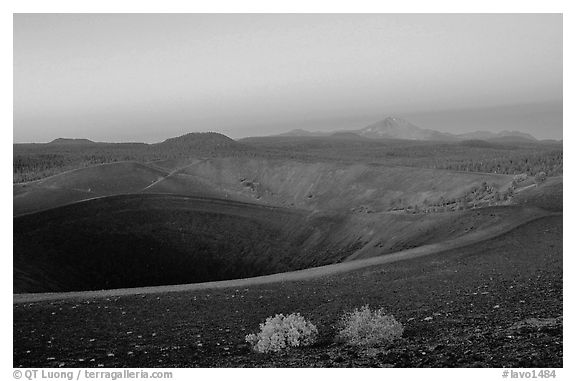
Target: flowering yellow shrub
[279,332]
[363,327]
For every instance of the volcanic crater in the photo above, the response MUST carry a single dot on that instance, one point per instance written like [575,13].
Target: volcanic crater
[134,224]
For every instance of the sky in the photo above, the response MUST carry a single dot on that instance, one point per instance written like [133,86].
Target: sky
[149,77]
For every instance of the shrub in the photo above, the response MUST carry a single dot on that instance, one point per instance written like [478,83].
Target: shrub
[363,327]
[519,178]
[540,177]
[279,332]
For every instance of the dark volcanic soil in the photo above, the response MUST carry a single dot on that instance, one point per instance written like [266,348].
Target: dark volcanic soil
[149,240]
[460,308]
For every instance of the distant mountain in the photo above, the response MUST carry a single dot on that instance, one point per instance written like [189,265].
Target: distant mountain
[398,128]
[203,141]
[389,128]
[504,136]
[67,141]
[301,132]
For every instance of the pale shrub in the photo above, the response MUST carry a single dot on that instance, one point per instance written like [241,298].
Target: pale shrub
[363,327]
[279,332]
[540,177]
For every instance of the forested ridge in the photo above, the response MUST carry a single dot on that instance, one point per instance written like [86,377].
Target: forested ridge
[37,161]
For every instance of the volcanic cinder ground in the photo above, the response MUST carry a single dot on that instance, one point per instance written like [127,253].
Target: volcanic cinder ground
[172,262]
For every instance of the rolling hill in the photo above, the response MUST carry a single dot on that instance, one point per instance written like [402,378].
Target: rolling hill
[68,141]
[287,183]
[199,141]
[81,184]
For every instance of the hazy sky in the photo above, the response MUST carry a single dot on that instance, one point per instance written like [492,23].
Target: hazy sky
[148,77]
